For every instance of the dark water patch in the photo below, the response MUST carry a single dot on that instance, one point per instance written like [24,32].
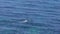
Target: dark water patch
[56,21]
[13,15]
[9,32]
[50,11]
[9,7]
[56,7]
[30,9]
[39,24]
[30,5]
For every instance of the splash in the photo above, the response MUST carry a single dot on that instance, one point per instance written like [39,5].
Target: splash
[25,21]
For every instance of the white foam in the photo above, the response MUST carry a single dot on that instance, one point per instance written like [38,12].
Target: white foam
[25,21]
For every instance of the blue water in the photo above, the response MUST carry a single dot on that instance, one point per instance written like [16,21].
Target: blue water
[43,16]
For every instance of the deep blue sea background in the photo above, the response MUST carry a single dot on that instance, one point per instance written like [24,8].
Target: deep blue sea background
[43,16]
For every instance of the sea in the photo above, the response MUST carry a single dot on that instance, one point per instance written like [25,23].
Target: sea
[29,16]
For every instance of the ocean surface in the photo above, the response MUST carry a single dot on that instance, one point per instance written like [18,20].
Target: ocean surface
[29,16]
